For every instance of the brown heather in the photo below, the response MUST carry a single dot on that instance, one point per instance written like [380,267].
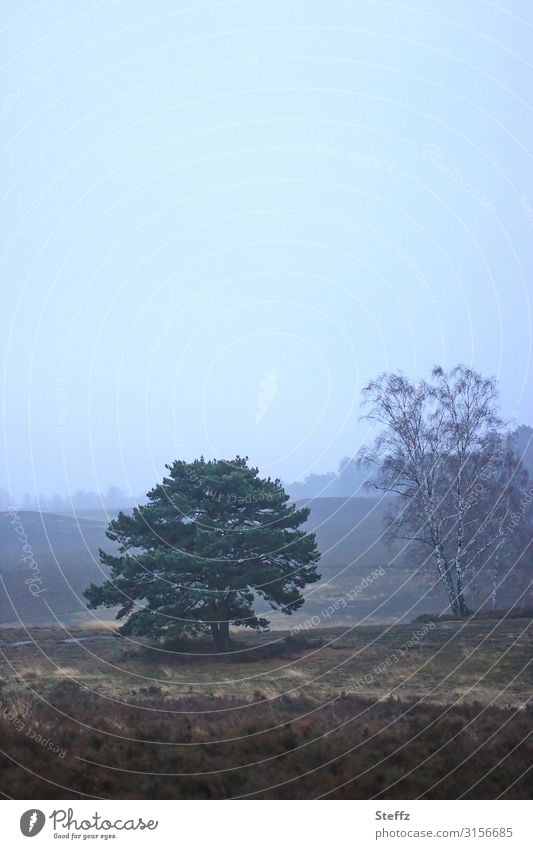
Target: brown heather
[288,748]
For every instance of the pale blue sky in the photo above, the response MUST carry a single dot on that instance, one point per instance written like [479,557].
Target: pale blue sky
[220,220]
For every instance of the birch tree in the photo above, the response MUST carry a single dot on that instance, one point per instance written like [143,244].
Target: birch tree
[442,449]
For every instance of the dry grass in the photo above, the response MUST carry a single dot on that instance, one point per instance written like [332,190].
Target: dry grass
[295,709]
[485,660]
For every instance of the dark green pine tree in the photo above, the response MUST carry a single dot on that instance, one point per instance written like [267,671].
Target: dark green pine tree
[213,538]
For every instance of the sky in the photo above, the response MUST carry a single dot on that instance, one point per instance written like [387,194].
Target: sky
[220,220]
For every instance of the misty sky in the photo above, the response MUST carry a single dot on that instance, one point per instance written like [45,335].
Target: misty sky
[220,220]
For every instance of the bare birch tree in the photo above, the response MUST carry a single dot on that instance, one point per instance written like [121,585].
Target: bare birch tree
[442,450]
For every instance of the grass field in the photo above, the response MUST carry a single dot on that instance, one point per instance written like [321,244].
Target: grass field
[446,662]
[416,701]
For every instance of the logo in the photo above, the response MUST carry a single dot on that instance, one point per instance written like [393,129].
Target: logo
[268,389]
[32,822]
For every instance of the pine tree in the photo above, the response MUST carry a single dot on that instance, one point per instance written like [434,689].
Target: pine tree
[213,538]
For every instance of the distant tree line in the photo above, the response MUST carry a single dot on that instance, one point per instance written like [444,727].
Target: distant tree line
[350,480]
[113,498]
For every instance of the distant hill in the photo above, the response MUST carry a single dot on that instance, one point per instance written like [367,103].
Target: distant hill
[349,534]
[350,531]
[348,482]
[347,518]
[65,551]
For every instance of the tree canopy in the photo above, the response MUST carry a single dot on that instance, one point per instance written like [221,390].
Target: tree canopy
[212,539]
[444,451]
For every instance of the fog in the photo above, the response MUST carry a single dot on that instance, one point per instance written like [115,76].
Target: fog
[219,223]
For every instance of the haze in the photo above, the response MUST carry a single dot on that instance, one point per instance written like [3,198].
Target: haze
[220,222]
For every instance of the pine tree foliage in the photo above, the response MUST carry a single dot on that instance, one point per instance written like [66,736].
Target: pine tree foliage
[213,538]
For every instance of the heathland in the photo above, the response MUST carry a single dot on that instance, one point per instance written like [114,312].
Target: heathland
[427,709]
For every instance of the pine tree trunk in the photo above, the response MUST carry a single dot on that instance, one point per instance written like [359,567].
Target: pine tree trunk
[224,630]
[215,633]
[220,634]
